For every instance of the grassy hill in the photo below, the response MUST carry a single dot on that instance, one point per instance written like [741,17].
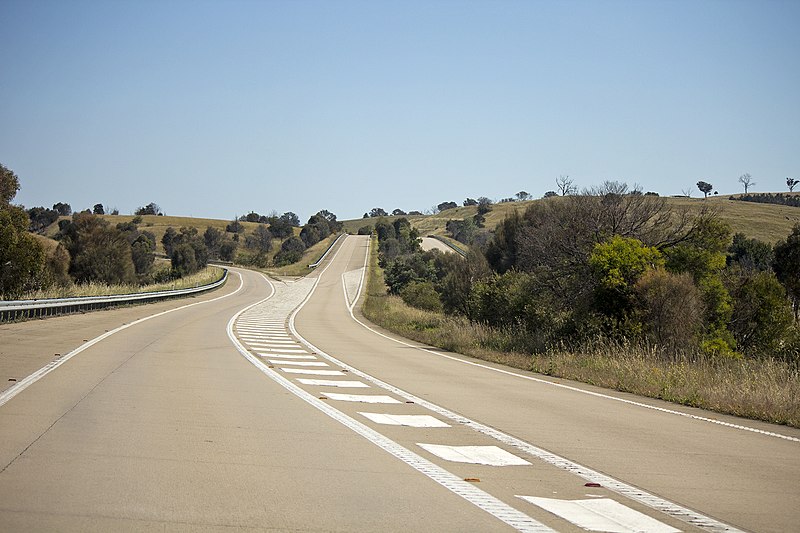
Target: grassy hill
[766,222]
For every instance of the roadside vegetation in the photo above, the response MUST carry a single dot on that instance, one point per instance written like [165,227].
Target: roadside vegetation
[614,288]
[208,275]
[55,251]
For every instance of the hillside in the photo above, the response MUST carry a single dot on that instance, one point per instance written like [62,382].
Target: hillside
[766,222]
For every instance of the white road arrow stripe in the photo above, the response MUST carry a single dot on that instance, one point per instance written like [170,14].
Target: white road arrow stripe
[416,421]
[480,455]
[601,515]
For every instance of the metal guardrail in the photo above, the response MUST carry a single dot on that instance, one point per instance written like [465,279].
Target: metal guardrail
[450,245]
[17,309]
[315,265]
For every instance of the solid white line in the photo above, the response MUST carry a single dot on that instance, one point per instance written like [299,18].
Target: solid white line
[8,394]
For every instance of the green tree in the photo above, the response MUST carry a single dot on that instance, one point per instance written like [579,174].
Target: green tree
[227,250]
[184,260]
[671,309]
[408,268]
[291,219]
[750,254]
[191,237]
[456,279]
[63,209]
[142,255]
[9,185]
[41,218]
[762,316]
[291,251]
[168,240]
[150,209]
[98,209]
[213,239]
[422,295]
[260,240]
[705,188]
[702,255]
[22,258]
[99,252]
[617,265]
[787,266]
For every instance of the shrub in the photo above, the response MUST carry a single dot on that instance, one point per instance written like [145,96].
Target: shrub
[671,309]
[762,316]
[421,295]
[291,252]
[184,261]
[22,258]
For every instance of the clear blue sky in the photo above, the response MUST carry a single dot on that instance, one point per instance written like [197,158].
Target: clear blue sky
[217,108]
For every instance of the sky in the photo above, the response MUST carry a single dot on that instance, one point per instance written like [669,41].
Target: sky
[218,108]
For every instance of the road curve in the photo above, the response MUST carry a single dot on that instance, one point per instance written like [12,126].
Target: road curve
[736,472]
[429,243]
[245,409]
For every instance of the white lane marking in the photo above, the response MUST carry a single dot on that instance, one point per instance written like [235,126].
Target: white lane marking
[297,363]
[650,500]
[312,372]
[479,455]
[267,348]
[415,421]
[601,515]
[578,390]
[483,500]
[9,393]
[286,356]
[361,398]
[333,383]
[268,342]
[352,284]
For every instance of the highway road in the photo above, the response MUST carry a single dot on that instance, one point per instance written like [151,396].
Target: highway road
[429,243]
[273,405]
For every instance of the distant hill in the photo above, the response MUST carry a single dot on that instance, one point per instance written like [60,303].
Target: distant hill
[766,222]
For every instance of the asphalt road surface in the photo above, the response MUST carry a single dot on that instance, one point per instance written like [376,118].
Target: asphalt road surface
[273,405]
[429,243]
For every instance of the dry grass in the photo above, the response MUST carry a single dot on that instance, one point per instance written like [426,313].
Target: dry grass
[204,277]
[761,390]
[310,256]
[766,222]
[157,225]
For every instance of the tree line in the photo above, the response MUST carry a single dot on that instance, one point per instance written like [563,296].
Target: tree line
[89,248]
[608,264]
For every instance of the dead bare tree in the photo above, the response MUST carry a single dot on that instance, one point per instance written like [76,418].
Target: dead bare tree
[747,181]
[565,185]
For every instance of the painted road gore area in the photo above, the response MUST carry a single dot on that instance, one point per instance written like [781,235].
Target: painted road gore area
[273,405]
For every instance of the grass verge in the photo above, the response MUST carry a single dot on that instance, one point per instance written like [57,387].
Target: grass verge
[758,389]
[206,276]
